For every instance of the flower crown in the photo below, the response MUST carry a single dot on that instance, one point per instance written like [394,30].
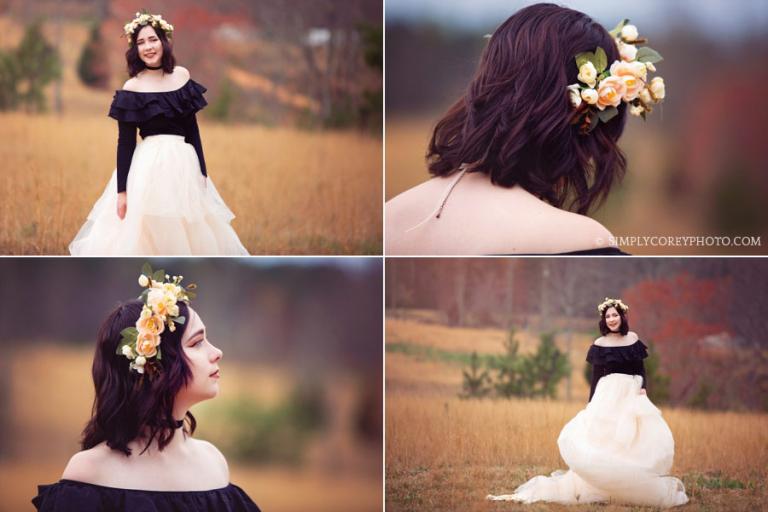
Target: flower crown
[602,88]
[612,303]
[141,344]
[144,18]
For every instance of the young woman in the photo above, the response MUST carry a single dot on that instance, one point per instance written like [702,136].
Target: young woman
[153,362]
[159,200]
[531,146]
[619,448]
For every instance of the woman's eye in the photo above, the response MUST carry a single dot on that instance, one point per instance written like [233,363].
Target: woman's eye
[197,343]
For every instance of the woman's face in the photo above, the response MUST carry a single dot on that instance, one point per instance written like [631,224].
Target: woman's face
[203,359]
[612,319]
[149,46]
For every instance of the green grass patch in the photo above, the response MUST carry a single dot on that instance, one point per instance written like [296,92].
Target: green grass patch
[437,354]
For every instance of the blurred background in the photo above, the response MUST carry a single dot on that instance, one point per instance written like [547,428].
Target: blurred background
[299,416]
[485,364]
[292,131]
[696,167]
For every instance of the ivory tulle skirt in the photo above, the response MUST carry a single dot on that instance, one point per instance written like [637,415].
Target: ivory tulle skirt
[171,209]
[618,449]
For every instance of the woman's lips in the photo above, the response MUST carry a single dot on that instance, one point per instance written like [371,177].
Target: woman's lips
[215,374]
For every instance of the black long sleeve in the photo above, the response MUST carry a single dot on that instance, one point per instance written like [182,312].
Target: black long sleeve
[126,144]
[192,136]
[629,368]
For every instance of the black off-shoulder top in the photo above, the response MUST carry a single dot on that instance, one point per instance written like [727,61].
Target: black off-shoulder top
[627,359]
[154,113]
[73,496]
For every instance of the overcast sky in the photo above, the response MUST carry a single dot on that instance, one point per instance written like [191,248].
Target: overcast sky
[726,19]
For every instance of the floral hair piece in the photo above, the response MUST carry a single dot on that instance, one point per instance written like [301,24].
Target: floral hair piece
[600,89]
[612,303]
[144,18]
[141,344]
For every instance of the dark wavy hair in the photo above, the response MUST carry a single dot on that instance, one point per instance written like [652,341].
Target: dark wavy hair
[514,121]
[134,62]
[129,405]
[623,328]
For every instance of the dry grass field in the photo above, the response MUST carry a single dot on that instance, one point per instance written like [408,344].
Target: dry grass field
[293,192]
[444,453]
[50,393]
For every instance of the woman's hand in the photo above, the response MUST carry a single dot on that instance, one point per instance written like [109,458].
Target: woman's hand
[122,204]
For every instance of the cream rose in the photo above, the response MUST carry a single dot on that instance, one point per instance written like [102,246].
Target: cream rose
[128,352]
[588,74]
[589,95]
[143,281]
[636,110]
[628,52]
[636,69]
[610,92]
[153,324]
[645,96]
[629,33]
[146,344]
[573,91]
[657,88]
[633,87]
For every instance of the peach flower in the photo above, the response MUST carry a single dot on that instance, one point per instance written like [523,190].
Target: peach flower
[146,344]
[610,92]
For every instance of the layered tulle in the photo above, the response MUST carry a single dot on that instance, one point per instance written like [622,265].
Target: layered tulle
[172,208]
[619,449]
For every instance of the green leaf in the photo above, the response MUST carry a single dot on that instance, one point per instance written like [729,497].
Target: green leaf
[180,320]
[144,294]
[129,331]
[146,269]
[601,60]
[583,58]
[648,54]
[607,114]
[159,276]
[617,29]
[159,354]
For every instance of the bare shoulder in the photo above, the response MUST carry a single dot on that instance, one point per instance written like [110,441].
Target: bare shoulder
[599,341]
[131,84]
[583,232]
[182,72]
[88,465]
[632,336]
[213,457]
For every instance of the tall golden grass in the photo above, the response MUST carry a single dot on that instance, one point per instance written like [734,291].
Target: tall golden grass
[444,453]
[51,391]
[293,192]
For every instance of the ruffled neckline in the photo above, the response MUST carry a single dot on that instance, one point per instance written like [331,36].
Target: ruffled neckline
[70,495]
[603,355]
[138,107]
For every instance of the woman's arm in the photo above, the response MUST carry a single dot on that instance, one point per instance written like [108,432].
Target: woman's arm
[192,136]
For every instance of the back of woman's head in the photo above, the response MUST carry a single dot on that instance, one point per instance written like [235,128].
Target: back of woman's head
[514,121]
[129,405]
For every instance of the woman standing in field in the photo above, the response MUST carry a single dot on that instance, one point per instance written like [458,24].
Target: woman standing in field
[531,146]
[159,200]
[153,361]
[619,448]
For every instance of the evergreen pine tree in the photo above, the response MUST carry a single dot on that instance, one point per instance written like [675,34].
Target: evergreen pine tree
[475,383]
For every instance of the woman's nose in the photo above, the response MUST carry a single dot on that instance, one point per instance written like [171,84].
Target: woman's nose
[217,354]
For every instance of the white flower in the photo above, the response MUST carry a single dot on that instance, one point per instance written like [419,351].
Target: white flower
[628,52]
[649,66]
[140,361]
[588,74]
[636,110]
[138,14]
[143,281]
[573,91]
[629,33]
[590,96]
[645,96]
[657,88]
[128,352]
